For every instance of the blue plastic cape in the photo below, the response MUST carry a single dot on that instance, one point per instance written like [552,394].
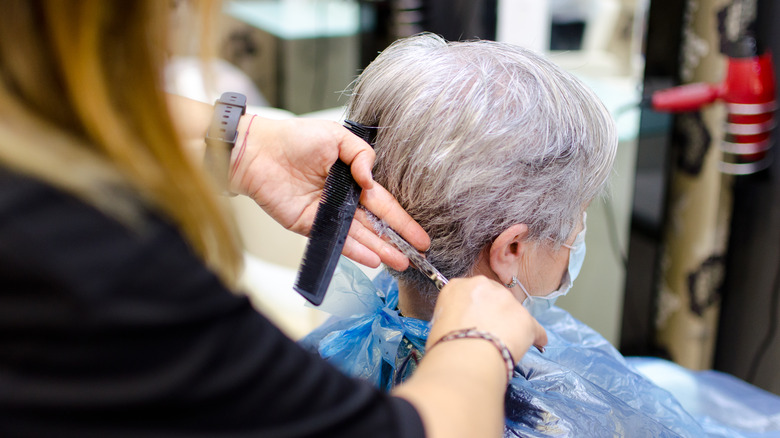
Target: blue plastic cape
[366,332]
[581,386]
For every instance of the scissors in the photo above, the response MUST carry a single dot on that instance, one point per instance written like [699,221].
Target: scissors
[418,261]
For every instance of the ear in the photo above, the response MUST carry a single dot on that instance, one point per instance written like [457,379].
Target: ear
[507,250]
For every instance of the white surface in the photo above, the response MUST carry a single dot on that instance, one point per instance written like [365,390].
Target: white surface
[270,287]
[299,19]
[525,23]
[184,76]
[621,96]
[674,379]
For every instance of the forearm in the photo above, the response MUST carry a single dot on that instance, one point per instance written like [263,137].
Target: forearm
[458,389]
[191,118]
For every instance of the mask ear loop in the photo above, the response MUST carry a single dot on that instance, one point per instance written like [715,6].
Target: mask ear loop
[584,228]
[580,238]
[516,282]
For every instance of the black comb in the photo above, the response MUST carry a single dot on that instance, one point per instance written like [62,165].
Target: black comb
[331,224]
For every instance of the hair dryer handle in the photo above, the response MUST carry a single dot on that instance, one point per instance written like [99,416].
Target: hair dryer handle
[688,97]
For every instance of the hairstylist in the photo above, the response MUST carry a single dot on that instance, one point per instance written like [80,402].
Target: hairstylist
[116,260]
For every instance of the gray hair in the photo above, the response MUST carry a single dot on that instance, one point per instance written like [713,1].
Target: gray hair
[477,136]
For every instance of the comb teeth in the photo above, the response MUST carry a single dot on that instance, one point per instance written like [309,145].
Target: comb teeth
[356,128]
[328,234]
[329,231]
[367,133]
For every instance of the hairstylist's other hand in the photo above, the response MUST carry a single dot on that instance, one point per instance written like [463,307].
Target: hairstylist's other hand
[486,305]
[283,168]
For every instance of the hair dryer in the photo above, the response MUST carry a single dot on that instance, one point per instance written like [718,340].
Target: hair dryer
[748,92]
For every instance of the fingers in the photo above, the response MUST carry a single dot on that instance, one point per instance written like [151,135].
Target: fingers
[540,335]
[359,253]
[385,206]
[361,168]
[365,247]
[359,156]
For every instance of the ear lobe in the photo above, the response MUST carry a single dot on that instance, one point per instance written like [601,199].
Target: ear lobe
[507,250]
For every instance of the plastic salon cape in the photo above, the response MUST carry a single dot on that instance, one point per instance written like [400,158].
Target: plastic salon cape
[581,386]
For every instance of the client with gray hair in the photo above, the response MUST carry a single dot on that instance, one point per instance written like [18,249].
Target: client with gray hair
[477,137]
[497,153]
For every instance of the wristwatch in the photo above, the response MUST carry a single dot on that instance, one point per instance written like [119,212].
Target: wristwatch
[221,136]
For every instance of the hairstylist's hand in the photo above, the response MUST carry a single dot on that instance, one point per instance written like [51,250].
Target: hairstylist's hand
[283,167]
[486,305]
[459,386]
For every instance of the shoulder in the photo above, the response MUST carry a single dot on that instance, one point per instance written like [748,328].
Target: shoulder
[69,251]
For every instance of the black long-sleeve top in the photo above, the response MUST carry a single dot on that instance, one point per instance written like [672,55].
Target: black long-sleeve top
[112,331]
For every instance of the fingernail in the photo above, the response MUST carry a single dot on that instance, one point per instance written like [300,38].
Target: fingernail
[541,349]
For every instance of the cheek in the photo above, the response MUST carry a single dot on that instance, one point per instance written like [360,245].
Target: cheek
[556,268]
[561,268]
[544,272]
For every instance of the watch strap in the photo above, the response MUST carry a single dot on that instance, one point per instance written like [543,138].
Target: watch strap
[221,136]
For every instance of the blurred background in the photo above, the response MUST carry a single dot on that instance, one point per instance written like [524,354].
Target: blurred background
[684,252]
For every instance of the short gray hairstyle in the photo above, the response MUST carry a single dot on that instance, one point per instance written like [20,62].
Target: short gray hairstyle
[477,136]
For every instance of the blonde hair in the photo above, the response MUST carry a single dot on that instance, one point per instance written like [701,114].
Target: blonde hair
[82,108]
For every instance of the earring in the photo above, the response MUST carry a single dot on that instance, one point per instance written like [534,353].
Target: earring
[514,283]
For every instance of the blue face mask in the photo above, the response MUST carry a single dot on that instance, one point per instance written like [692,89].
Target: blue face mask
[536,303]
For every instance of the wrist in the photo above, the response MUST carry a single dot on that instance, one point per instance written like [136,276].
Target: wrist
[236,166]
[478,335]
[222,137]
[465,377]
[476,359]
[191,119]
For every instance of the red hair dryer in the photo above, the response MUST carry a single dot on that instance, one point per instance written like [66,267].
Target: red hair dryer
[749,94]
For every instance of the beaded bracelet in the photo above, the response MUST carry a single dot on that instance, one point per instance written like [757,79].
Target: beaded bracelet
[473,333]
